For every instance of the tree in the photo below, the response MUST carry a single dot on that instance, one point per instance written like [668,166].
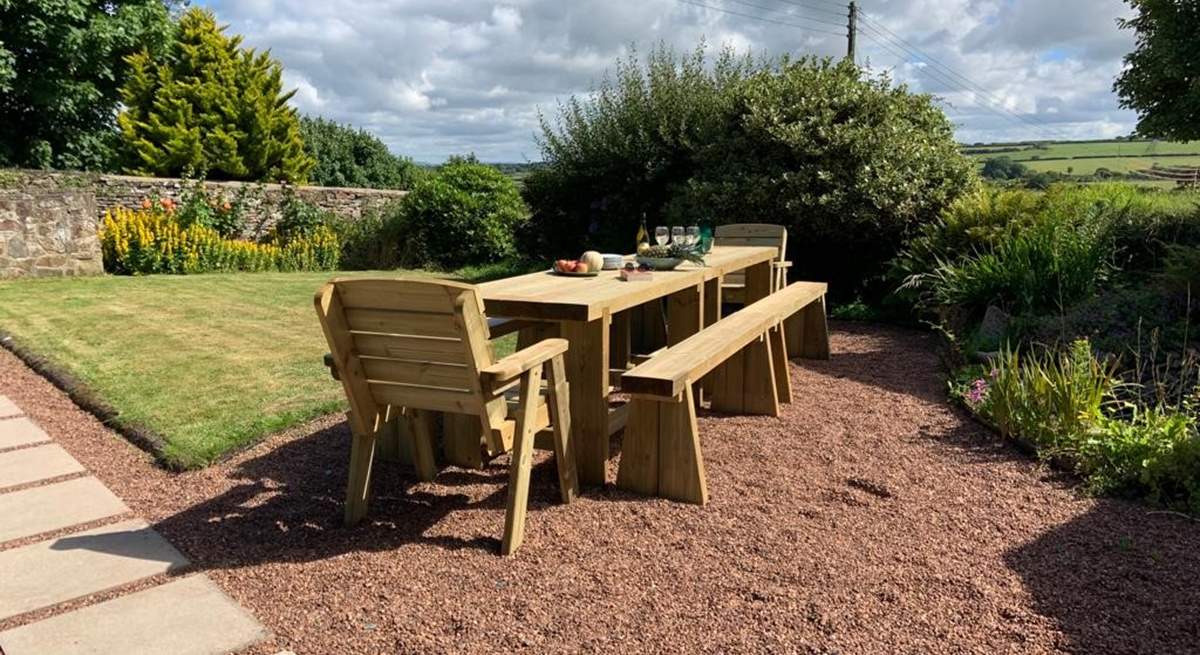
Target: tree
[61,69]
[848,162]
[210,107]
[1003,168]
[1160,77]
[353,158]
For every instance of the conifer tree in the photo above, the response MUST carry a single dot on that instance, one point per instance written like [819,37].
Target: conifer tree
[211,107]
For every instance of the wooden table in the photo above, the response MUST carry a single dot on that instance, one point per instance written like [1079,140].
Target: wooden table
[583,308]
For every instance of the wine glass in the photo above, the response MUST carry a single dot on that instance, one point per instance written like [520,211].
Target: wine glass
[677,236]
[693,236]
[661,235]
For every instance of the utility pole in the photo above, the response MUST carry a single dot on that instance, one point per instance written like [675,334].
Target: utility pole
[851,34]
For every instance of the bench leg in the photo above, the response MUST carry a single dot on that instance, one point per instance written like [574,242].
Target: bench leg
[521,463]
[660,452]
[680,464]
[779,363]
[358,486]
[745,383]
[814,340]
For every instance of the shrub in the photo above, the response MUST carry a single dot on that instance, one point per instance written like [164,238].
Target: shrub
[210,106]
[299,218]
[465,213]
[353,158]
[1155,452]
[849,163]
[226,216]
[1003,168]
[145,241]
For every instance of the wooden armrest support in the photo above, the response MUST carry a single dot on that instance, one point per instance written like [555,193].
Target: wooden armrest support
[524,360]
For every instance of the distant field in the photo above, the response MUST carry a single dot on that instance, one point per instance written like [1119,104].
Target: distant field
[1115,164]
[1084,158]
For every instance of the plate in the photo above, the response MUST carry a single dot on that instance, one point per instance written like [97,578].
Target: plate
[588,274]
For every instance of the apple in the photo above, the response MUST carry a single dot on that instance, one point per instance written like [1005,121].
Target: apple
[581,267]
[561,266]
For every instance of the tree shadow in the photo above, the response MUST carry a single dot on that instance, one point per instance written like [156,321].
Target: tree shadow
[1119,579]
[288,506]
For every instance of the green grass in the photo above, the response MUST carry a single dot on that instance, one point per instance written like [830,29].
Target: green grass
[210,363]
[1084,158]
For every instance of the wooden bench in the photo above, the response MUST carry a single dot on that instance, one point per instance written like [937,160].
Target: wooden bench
[660,453]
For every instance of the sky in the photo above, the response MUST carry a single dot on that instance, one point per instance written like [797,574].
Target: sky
[434,78]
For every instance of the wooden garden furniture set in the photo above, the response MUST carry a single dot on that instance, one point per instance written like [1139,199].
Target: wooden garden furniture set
[406,349]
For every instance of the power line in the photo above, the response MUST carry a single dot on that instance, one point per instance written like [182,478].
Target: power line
[760,18]
[939,77]
[839,14]
[790,15]
[913,50]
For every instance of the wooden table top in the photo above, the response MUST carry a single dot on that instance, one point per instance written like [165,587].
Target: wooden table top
[546,296]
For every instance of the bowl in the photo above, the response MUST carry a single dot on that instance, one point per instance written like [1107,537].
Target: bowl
[660,263]
[612,262]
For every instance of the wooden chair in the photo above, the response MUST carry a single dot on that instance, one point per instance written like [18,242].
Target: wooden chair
[733,287]
[415,347]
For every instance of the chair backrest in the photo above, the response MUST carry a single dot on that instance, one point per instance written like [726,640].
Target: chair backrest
[409,343]
[751,234]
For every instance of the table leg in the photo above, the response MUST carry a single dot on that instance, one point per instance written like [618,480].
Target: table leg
[587,371]
[758,282]
[619,339]
[685,313]
[712,314]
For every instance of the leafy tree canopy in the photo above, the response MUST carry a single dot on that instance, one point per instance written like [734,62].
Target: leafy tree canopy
[61,69]
[1003,168]
[1161,81]
[210,107]
[353,158]
[849,163]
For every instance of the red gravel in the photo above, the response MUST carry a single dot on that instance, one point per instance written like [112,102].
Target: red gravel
[870,518]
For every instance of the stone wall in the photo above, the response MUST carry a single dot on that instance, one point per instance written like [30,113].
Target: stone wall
[48,233]
[262,200]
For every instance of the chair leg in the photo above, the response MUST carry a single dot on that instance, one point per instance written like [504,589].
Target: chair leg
[560,418]
[521,462]
[423,447]
[358,486]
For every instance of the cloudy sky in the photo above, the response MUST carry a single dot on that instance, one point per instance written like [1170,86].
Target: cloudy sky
[441,77]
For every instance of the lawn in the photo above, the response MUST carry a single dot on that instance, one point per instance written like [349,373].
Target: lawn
[208,362]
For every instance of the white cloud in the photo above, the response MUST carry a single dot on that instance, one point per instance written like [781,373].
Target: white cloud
[435,78]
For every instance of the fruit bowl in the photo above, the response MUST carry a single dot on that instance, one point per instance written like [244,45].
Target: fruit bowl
[660,263]
[573,273]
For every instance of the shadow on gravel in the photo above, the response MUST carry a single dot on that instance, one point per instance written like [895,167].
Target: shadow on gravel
[288,507]
[892,363]
[1118,579]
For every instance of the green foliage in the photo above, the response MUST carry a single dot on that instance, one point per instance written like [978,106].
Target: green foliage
[298,217]
[1155,452]
[1062,405]
[1003,168]
[61,68]
[212,108]
[353,158]
[1046,398]
[198,206]
[1159,79]
[1032,253]
[465,213]
[850,164]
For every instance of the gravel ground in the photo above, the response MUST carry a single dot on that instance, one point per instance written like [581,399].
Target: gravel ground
[870,518]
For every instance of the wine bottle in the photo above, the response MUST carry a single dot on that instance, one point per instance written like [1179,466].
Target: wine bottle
[643,235]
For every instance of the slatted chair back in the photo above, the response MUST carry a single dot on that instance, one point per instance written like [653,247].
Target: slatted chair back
[753,234]
[418,344]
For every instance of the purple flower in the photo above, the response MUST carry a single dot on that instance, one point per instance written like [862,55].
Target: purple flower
[976,393]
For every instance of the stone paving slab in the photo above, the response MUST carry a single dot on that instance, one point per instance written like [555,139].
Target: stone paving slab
[58,570]
[20,432]
[8,408]
[56,506]
[191,616]
[34,464]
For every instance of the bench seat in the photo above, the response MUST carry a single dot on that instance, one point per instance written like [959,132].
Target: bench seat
[746,354]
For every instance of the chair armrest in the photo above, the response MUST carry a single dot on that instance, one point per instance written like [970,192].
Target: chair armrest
[781,264]
[524,360]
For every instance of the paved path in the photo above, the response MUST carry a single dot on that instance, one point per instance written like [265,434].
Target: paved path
[97,547]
